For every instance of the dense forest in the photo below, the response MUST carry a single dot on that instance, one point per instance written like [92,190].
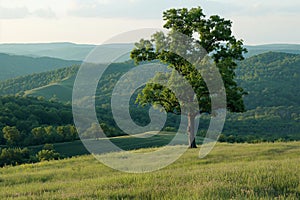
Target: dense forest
[32,121]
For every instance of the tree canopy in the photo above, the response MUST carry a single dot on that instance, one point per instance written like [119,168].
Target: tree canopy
[214,35]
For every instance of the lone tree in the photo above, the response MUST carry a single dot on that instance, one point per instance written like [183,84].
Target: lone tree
[214,35]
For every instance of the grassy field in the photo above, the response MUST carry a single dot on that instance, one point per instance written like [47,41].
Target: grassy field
[231,171]
[76,148]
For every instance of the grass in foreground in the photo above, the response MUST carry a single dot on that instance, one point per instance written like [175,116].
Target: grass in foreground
[231,171]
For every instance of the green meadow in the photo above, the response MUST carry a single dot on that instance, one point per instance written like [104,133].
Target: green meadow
[230,171]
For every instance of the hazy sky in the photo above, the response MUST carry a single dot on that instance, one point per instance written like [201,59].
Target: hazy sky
[94,21]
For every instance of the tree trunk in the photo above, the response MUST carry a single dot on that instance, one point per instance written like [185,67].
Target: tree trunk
[191,131]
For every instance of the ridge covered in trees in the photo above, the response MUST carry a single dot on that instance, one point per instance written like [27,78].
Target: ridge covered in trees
[13,66]
[271,79]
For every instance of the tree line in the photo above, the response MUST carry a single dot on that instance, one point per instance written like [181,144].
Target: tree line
[30,121]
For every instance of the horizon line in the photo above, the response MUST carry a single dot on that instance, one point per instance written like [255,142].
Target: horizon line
[93,44]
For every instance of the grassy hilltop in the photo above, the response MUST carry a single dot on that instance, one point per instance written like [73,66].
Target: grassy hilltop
[231,171]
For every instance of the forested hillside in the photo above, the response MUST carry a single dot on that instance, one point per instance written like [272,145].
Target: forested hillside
[12,66]
[32,121]
[33,81]
[271,79]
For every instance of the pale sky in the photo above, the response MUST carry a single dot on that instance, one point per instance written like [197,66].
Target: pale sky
[95,21]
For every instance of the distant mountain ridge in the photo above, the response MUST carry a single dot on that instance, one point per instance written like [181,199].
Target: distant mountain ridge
[64,50]
[72,51]
[284,48]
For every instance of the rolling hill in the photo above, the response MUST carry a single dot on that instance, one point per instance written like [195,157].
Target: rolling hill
[36,81]
[59,82]
[12,66]
[61,91]
[271,79]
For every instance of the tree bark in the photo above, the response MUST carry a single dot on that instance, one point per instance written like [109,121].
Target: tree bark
[191,131]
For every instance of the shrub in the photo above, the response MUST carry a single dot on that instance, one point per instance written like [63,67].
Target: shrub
[14,156]
[47,155]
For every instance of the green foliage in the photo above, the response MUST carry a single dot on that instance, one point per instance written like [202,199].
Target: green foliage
[215,37]
[14,156]
[48,153]
[29,121]
[264,124]
[49,147]
[272,79]
[230,171]
[12,135]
